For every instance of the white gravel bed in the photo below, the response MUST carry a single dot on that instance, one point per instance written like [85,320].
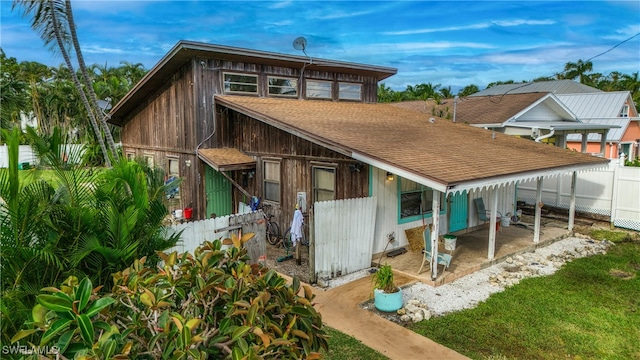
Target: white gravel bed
[468,291]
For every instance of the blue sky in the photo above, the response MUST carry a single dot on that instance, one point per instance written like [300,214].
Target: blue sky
[451,43]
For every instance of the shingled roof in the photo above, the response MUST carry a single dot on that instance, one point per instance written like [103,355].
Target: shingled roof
[430,150]
[476,110]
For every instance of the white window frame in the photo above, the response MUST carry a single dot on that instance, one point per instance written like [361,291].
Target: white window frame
[172,159]
[345,91]
[625,111]
[319,87]
[272,181]
[150,160]
[131,155]
[294,81]
[230,83]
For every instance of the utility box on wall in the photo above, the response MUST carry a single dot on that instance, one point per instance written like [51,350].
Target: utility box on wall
[301,199]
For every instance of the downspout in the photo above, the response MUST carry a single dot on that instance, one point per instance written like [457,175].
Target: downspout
[542,137]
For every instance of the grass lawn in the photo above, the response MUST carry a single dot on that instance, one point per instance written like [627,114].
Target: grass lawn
[589,309]
[345,347]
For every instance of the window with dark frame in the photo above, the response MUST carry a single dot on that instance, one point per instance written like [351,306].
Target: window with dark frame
[324,183]
[415,197]
[271,170]
[240,83]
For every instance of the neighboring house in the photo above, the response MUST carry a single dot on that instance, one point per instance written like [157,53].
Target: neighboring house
[542,117]
[612,108]
[554,86]
[239,123]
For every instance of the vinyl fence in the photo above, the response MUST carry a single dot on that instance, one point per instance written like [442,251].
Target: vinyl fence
[344,232]
[195,233]
[73,153]
[613,192]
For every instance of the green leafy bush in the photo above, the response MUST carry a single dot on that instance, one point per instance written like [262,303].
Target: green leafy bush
[383,279]
[212,304]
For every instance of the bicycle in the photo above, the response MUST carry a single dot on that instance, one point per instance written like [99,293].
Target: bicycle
[273,230]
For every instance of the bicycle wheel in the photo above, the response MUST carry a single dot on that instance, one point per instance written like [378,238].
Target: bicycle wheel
[304,240]
[286,239]
[273,232]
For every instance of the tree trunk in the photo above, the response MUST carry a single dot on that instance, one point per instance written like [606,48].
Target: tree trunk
[87,81]
[76,81]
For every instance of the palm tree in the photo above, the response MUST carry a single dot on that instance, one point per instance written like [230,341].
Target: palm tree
[578,70]
[468,90]
[87,80]
[46,21]
[446,93]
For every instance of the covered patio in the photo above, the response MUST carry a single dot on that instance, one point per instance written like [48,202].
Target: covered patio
[470,254]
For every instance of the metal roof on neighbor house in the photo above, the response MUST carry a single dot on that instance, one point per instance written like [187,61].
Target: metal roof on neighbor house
[600,105]
[441,154]
[556,87]
[184,51]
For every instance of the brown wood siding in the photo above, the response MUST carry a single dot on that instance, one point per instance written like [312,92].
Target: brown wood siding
[297,157]
[180,115]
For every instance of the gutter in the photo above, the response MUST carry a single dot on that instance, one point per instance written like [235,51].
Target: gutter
[542,137]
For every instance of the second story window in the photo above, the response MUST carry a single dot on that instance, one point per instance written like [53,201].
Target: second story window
[279,86]
[625,111]
[318,89]
[240,83]
[350,91]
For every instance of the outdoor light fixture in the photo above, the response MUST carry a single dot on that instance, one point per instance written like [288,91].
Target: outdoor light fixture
[389,176]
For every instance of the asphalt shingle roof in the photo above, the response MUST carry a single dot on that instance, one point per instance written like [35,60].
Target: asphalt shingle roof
[442,151]
[477,110]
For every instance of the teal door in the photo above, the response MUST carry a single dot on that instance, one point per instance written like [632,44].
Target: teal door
[218,190]
[458,211]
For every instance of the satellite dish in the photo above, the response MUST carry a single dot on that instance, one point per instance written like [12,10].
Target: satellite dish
[300,43]
[105,105]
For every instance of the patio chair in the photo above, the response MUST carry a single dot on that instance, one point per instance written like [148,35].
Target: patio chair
[443,259]
[483,214]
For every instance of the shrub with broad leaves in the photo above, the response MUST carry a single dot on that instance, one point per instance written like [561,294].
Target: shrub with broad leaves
[209,304]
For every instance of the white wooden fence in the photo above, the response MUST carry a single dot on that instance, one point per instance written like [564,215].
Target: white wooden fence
[197,232]
[613,192]
[343,235]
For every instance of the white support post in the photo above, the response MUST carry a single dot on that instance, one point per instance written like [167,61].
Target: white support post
[435,229]
[492,225]
[572,202]
[614,197]
[536,227]
[584,142]
[603,143]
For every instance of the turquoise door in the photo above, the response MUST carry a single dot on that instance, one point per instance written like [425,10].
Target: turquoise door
[218,190]
[458,211]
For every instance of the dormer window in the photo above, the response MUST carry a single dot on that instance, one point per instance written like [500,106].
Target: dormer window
[318,89]
[625,111]
[350,91]
[240,83]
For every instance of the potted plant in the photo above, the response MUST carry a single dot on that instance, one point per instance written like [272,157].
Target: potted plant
[387,296]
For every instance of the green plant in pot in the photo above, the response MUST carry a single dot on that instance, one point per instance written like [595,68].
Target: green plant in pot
[387,296]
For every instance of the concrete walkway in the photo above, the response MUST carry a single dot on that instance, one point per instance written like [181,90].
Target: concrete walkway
[340,310]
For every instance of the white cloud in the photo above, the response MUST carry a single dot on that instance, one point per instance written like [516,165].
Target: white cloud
[482,25]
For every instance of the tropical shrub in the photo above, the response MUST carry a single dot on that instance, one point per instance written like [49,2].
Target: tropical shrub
[80,222]
[209,304]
